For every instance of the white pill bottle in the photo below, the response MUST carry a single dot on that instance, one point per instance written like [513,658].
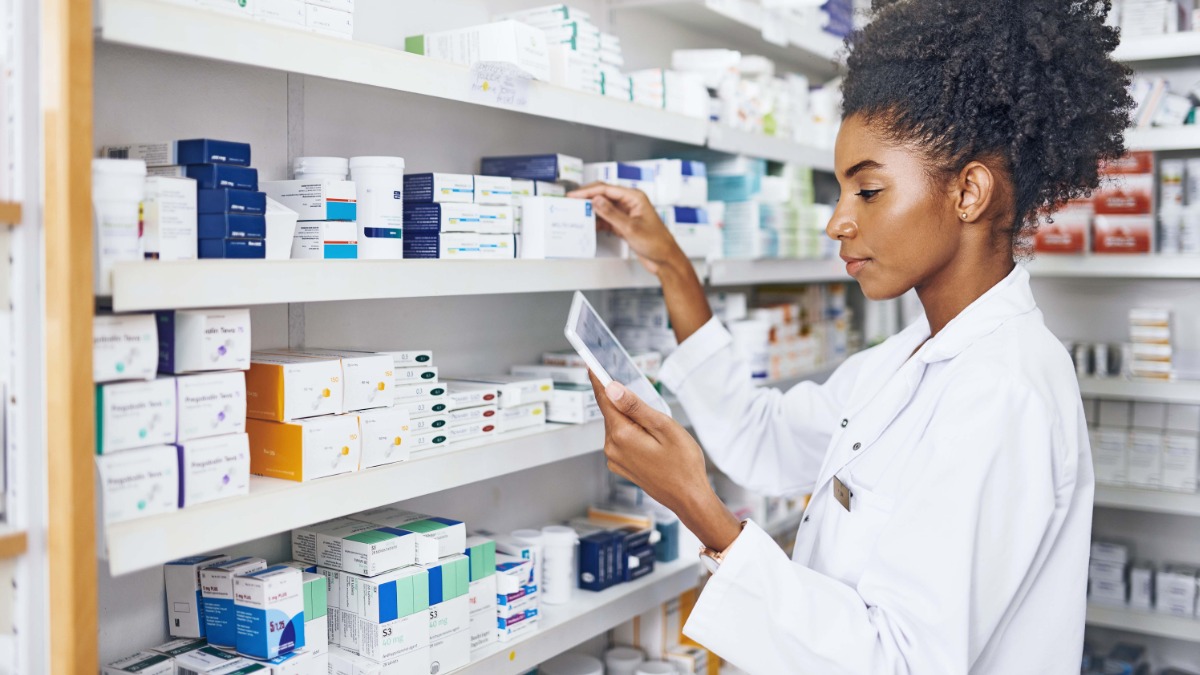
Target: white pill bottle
[380,185]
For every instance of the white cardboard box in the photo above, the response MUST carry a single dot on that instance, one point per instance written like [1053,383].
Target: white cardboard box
[181,579]
[510,42]
[169,219]
[124,347]
[384,436]
[213,468]
[197,340]
[135,414]
[557,227]
[210,404]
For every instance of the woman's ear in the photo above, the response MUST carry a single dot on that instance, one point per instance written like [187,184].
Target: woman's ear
[975,190]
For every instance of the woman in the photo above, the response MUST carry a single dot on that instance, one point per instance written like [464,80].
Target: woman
[949,468]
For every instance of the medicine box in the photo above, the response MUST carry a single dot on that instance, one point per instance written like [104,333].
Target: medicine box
[556,227]
[197,340]
[134,414]
[185,608]
[494,190]
[366,549]
[232,249]
[329,21]
[450,217]
[305,449]
[1141,586]
[469,431]
[419,409]
[210,404]
[1145,458]
[1149,416]
[514,574]
[281,232]
[573,404]
[213,468]
[688,660]
[182,646]
[511,42]
[410,358]
[473,415]
[284,387]
[124,347]
[481,590]
[1111,551]
[464,394]
[304,539]
[169,225]
[521,417]
[442,188]
[549,168]
[286,12]
[414,375]
[459,245]
[428,423]
[269,612]
[451,535]
[431,440]
[212,176]
[210,660]
[325,240]
[512,390]
[232,226]
[678,182]
[343,662]
[315,199]
[367,379]
[226,200]
[1126,194]
[386,619]
[216,587]
[137,483]
[557,374]
[299,663]
[1150,316]
[339,5]
[1115,414]
[191,151]
[142,663]
[1175,591]
[511,627]
[617,173]
[1123,234]
[406,393]
[383,432]
[1180,462]
[449,611]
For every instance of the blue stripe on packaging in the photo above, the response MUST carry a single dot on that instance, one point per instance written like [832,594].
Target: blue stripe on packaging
[389,601]
[383,232]
[210,151]
[166,340]
[214,176]
[435,585]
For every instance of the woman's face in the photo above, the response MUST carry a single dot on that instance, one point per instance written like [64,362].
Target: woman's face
[896,228]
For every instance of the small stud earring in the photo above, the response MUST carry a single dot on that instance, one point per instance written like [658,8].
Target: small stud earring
[964,216]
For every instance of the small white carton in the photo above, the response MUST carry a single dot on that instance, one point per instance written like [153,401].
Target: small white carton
[304,540]
[386,619]
[512,390]
[137,483]
[510,42]
[367,379]
[1145,457]
[196,340]
[475,415]
[185,609]
[315,199]
[384,431]
[450,535]
[328,21]
[169,230]
[141,663]
[282,387]
[421,408]
[213,468]
[124,347]
[449,612]
[210,404]
[365,549]
[521,417]
[134,414]
[557,227]
[1175,588]
[494,190]
[1110,449]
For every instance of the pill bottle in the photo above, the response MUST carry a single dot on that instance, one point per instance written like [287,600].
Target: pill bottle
[751,342]
[623,660]
[656,668]
[558,564]
[118,187]
[572,664]
[535,541]
[320,168]
[380,185]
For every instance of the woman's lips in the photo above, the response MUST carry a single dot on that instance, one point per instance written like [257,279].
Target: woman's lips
[855,265]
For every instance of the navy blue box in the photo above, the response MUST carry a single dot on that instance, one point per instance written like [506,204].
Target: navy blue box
[645,558]
[418,187]
[213,176]
[232,248]
[226,200]
[529,167]
[231,226]
[209,151]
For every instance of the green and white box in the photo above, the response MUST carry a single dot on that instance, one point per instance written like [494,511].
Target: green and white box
[124,347]
[365,548]
[449,613]
[135,414]
[142,663]
[450,534]
[386,619]
[481,591]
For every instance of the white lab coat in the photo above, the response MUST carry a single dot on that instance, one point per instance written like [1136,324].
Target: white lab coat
[965,549]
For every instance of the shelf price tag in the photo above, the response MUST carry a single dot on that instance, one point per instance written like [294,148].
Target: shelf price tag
[500,84]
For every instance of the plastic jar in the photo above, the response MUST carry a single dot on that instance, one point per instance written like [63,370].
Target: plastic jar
[379,182]
[656,668]
[536,543]
[320,168]
[623,660]
[118,187]
[572,664]
[558,564]
[751,342]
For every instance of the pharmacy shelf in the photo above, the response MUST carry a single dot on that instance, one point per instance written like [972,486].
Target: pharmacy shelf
[1183,45]
[10,213]
[1164,138]
[1131,266]
[224,283]
[167,27]
[775,271]
[1144,623]
[735,141]
[562,627]
[1150,501]
[1165,391]
[738,24]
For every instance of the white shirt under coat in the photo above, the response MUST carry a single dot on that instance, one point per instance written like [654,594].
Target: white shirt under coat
[965,549]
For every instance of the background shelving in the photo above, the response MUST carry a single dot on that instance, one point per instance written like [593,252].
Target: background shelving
[1149,501]
[1164,138]
[1183,45]
[1165,391]
[768,271]
[1115,266]
[1145,623]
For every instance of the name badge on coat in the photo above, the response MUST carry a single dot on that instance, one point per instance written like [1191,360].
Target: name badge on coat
[841,493]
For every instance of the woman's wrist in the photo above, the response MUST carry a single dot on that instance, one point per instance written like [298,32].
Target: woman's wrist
[707,517]
[675,267]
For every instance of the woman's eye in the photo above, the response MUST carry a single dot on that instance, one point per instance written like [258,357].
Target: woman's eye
[867,195]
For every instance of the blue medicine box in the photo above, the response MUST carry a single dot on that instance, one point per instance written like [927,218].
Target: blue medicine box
[213,176]
[210,151]
[227,200]
[231,226]
[549,168]
[232,248]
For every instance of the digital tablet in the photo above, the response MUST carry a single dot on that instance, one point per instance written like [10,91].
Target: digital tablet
[605,356]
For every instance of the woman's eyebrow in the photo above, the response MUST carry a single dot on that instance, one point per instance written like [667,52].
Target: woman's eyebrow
[862,166]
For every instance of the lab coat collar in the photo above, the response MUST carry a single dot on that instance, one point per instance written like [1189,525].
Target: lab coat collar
[1007,299]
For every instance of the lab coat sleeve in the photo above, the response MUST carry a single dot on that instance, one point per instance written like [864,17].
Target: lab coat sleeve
[948,562]
[762,438]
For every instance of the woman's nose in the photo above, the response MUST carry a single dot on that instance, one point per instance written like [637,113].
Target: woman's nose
[841,227]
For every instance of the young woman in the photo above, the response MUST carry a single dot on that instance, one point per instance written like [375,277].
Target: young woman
[949,467]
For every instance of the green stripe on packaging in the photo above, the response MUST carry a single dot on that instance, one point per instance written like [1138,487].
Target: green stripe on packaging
[462,575]
[100,420]
[420,587]
[415,44]
[405,602]
[449,584]
[370,537]
[320,600]
[423,526]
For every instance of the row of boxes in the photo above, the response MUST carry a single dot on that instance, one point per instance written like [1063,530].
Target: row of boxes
[334,18]
[1145,444]
[127,347]
[1116,578]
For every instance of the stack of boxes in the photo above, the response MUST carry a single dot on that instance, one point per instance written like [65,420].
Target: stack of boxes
[458,216]
[420,394]
[481,592]
[326,205]
[658,634]
[572,401]
[671,90]
[518,585]
[1107,573]
[1124,206]
[334,18]
[512,43]
[1149,18]
[497,403]
[1115,578]
[1145,444]
[175,440]
[1150,343]
[581,55]
[549,225]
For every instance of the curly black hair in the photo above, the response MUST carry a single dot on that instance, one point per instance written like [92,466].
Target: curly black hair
[1027,83]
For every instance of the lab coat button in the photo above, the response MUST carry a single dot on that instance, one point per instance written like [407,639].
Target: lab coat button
[845,422]
[857,446]
[806,519]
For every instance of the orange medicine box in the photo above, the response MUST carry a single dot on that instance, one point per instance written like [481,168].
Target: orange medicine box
[287,387]
[306,449]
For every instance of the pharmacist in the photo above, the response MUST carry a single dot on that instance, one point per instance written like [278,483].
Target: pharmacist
[949,468]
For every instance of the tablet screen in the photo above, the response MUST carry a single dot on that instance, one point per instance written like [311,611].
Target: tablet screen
[588,332]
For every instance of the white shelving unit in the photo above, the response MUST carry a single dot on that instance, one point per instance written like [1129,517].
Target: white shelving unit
[1184,45]
[588,615]
[768,271]
[727,139]
[1145,623]
[1149,501]
[1180,391]
[1115,266]
[1164,138]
